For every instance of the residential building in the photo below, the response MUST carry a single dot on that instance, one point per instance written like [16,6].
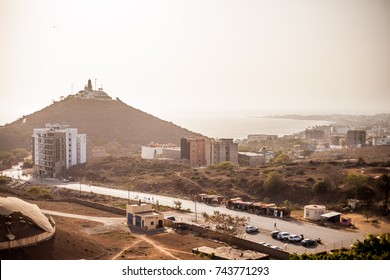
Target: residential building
[314,134]
[356,138]
[143,216]
[250,159]
[262,137]
[222,150]
[56,148]
[193,150]
[157,151]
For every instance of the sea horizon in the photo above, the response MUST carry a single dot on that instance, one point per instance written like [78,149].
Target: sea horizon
[239,127]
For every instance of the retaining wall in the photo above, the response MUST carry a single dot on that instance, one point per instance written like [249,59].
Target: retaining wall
[98,206]
[242,243]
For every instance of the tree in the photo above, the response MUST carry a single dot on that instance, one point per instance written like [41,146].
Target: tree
[177,204]
[355,181]
[227,224]
[333,174]
[321,186]
[274,182]
[282,158]
[383,184]
[373,247]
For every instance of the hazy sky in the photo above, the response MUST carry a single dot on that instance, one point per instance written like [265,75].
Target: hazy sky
[185,58]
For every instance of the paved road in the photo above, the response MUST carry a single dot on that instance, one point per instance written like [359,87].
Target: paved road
[331,238]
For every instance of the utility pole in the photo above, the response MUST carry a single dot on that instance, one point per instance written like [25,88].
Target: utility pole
[80,186]
[196,213]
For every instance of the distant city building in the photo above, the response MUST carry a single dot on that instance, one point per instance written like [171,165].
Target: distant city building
[269,155]
[222,150]
[56,148]
[262,137]
[381,140]
[356,138]
[314,134]
[251,159]
[90,93]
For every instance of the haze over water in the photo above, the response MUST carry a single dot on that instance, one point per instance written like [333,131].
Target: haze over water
[239,127]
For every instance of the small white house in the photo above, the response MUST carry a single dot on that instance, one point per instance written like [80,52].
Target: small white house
[314,212]
[142,216]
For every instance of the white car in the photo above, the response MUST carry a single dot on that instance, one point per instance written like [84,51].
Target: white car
[294,238]
[277,248]
[251,229]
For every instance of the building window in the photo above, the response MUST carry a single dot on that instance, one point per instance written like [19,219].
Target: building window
[152,223]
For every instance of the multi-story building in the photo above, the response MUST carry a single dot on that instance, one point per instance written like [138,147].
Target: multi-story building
[356,138]
[222,150]
[56,148]
[314,134]
[193,149]
[201,151]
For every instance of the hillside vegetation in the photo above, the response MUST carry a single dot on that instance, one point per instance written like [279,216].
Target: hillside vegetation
[312,182]
[104,121]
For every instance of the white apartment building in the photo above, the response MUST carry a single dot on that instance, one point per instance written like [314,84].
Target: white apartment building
[56,148]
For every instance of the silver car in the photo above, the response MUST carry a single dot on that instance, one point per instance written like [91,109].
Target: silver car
[283,235]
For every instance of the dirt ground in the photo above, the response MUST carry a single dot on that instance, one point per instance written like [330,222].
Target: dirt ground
[373,225]
[83,239]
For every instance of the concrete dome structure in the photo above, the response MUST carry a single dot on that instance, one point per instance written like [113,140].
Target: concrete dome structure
[23,224]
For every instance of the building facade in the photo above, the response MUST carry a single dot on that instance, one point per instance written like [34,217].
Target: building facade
[193,149]
[251,159]
[56,148]
[143,216]
[314,134]
[356,138]
[222,150]
[201,151]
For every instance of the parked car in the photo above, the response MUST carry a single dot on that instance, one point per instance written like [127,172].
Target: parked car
[251,229]
[277,248]
[65,180]
[170,218]
[308,242]
[265,244]
[274,234]
[294,238]
[283,235]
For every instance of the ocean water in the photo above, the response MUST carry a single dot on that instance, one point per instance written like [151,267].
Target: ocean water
[239,127]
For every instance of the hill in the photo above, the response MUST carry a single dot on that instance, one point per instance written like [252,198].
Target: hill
[104,121]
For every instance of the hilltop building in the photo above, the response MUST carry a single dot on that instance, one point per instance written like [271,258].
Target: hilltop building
[90,93]
[56,148]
